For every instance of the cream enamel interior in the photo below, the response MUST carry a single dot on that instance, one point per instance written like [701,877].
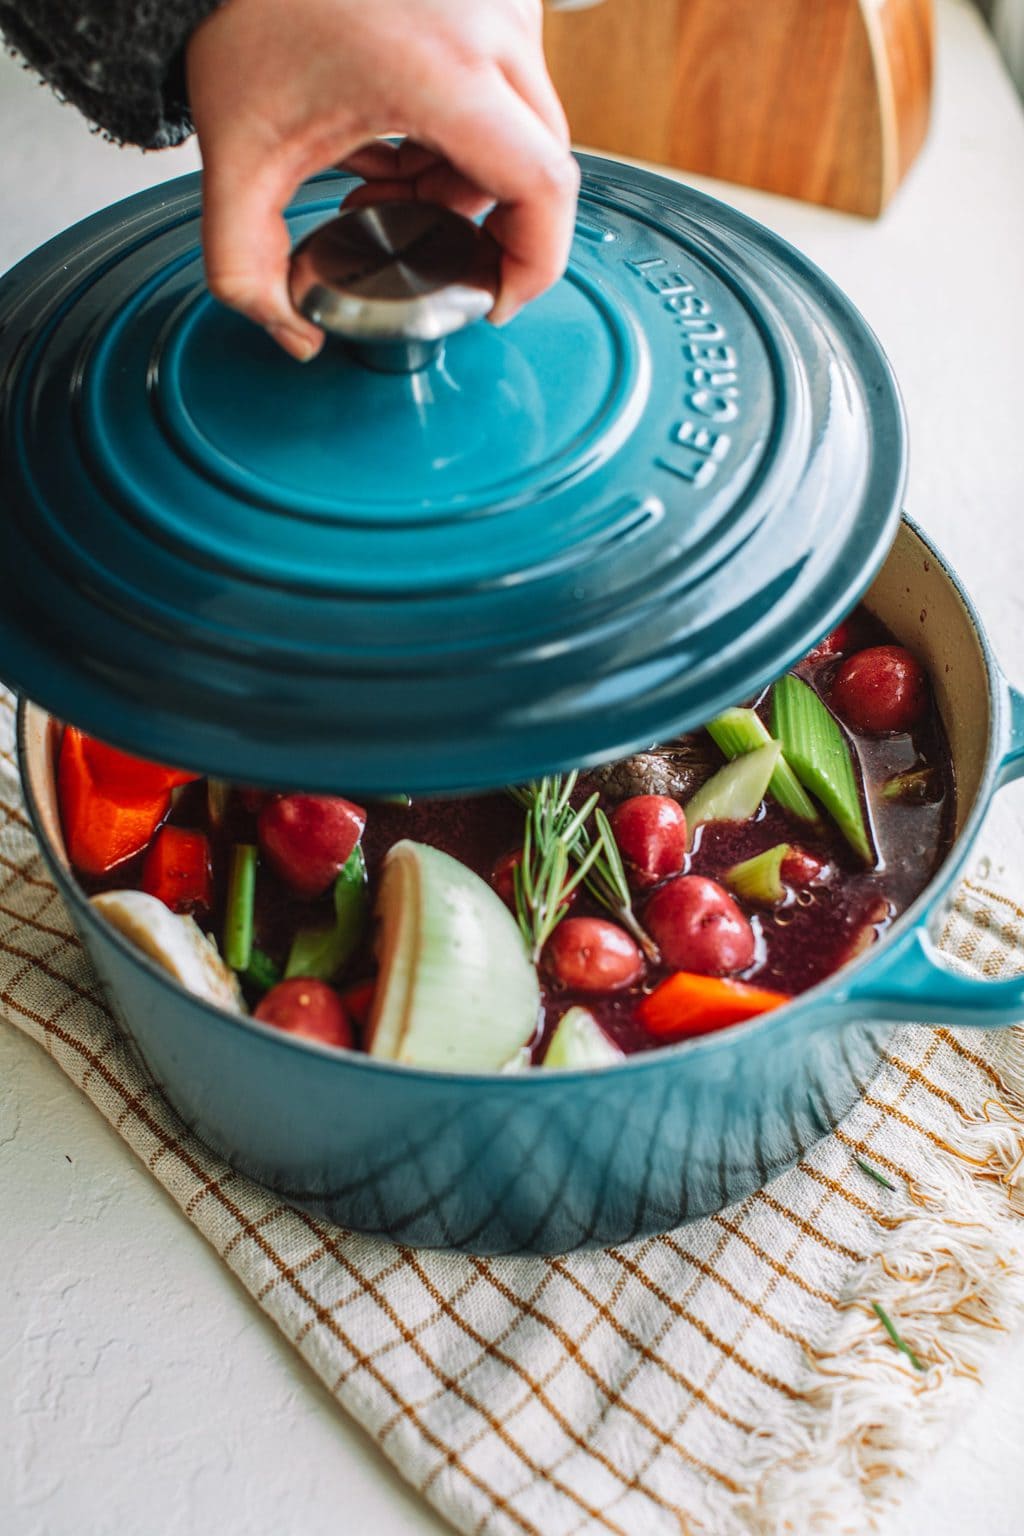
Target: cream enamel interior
[915,598]
[913,595]
[39,764]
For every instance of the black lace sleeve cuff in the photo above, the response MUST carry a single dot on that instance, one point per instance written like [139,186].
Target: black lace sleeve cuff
[120,62]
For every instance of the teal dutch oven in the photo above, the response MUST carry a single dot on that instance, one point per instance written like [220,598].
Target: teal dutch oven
[548,546]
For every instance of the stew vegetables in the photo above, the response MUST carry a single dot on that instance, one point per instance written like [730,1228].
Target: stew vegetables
[562,923]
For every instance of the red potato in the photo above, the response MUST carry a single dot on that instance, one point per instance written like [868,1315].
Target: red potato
[503,879]
[698,927]
[880,690]
[309,838]
[310,1008]
[651,833]
[503,876]
[358,1001]
[834,644]
[801,868]
[588,954]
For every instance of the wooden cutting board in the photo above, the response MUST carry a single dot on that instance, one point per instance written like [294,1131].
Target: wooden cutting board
[823,100]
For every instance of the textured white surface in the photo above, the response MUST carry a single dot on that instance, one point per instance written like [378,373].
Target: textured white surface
[140,1389]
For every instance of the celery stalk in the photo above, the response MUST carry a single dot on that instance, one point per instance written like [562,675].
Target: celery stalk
[737,731]
[261,971]
[218,793]
[821,758]
[323,952]
[760,879]
[915,787]
[735,792]
[238,913]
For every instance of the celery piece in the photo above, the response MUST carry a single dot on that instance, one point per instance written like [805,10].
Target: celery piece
[760,879]
[737,731]
[261,972]
[323,952]
[239,908]
[735,792]
[821,758]
[579,1041]
[218,793]
[914,787]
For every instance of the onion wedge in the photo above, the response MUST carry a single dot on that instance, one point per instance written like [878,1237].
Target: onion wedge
[176,943]
[456,989]
[579,1041]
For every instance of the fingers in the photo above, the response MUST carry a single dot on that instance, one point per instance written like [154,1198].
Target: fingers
[409,170]
[247,247]
[442,183]
[493,138]
[443,186]
[382,160]
[530,79]
[499,144]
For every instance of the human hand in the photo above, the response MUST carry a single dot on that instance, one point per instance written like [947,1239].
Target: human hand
[280,89]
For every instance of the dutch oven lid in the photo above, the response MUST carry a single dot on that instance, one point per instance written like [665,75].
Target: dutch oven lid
[558,542]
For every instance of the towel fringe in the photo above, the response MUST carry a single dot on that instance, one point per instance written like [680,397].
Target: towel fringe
[948,1282]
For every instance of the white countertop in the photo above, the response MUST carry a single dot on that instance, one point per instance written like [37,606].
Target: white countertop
[140,1389]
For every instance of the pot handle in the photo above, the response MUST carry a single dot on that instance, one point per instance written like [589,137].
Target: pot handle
[1012,765]
[912,980]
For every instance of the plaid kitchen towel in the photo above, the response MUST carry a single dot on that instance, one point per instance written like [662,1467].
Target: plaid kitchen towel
[731,1377]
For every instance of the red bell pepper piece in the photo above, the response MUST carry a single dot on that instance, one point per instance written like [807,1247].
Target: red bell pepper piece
[122,776]
[101,830]
[688,1004]
[178,870]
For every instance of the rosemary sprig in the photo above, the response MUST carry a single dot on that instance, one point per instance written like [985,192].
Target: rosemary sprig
[873,1173]
[607,883]
[554,837]
[542,880]
[900,1343]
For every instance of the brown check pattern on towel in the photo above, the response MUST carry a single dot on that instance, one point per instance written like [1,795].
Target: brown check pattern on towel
[658,1387]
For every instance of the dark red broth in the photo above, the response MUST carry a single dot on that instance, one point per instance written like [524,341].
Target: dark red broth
[798,945]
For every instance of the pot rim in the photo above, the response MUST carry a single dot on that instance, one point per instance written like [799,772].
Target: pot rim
[824,992]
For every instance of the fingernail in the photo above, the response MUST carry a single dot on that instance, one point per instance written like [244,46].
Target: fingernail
[296,343]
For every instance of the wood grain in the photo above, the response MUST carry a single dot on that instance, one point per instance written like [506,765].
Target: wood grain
[823,100]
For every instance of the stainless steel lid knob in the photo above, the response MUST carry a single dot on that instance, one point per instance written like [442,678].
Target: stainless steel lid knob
[393,280]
